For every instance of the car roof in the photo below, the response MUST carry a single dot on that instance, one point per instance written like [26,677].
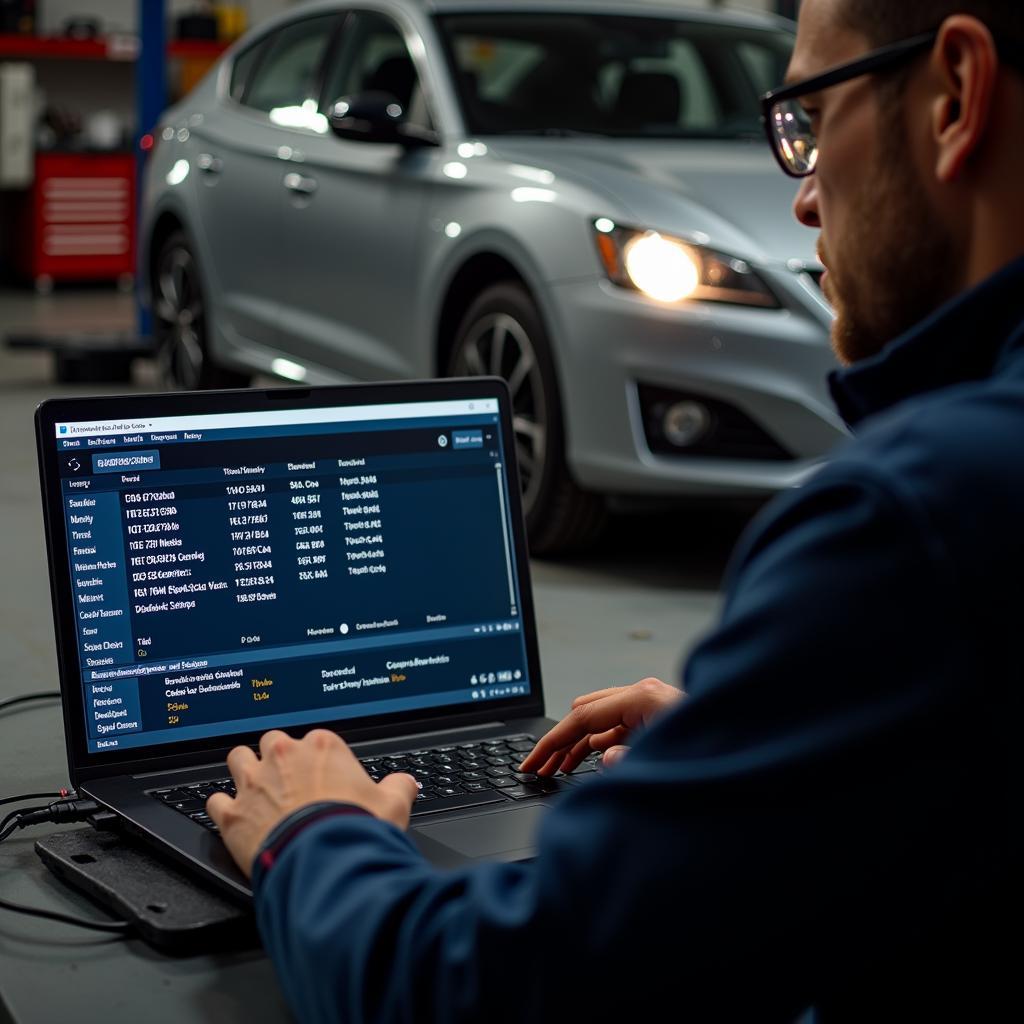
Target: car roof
[644,8]
[632,8]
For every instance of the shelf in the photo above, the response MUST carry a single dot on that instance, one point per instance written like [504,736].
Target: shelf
[119,48]
[208,49]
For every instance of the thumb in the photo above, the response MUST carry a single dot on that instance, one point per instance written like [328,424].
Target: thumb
[401,785]
[613,754]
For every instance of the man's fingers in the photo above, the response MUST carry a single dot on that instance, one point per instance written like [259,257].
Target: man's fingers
[240,760]
[575,755]
[402,784]
[596,716]
[604,740]
[588,698]
[274,742]
[551,765]
[217,807]
[402,790]
[613,755]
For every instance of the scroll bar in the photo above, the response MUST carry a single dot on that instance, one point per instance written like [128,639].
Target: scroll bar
[504,537]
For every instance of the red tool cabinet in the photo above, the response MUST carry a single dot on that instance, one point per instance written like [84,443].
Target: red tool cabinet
[80,219]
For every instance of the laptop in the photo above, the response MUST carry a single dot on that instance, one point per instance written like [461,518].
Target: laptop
[353,558]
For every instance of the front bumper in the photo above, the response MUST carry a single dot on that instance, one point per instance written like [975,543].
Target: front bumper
[769,364]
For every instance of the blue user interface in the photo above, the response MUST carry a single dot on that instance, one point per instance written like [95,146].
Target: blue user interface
[244,571]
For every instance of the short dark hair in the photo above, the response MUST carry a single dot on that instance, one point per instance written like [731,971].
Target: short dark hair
[886,21]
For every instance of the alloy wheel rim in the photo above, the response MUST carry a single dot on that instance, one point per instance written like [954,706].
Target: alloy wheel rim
[179,309]
[498,345]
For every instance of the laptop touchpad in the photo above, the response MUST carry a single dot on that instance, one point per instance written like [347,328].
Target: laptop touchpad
[505,836]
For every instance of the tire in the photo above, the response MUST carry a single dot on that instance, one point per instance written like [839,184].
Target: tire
[502,334]
[180,322]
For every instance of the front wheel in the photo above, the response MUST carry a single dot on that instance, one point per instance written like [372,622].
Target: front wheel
[180,322]
[502,335]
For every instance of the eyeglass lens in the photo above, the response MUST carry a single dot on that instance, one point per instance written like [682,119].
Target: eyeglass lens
[794,140]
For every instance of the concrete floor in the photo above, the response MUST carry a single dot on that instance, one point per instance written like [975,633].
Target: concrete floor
[631,608]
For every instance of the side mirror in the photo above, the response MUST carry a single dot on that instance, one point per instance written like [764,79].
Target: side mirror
[377,117]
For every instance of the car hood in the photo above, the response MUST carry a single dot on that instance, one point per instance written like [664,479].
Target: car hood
[732,191]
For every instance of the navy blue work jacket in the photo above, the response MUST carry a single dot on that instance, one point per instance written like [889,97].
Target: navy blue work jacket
[829,818]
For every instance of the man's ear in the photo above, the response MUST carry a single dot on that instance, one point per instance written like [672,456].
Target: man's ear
[965,64]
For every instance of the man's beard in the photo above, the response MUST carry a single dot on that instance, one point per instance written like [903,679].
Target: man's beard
[897,265]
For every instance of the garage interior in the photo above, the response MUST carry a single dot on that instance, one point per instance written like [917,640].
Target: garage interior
[631,607]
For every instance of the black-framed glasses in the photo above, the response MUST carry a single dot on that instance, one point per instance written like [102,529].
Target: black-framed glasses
[786,123]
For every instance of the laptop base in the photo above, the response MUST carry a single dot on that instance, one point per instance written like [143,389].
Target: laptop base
[171,911]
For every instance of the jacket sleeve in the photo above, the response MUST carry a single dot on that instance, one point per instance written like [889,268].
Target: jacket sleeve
[735,861]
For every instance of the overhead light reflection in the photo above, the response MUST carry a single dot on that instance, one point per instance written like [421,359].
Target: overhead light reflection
[178,173]
[537,174]
[533,195]
[453,229]
[455,169]
[468,150]
[305,116]
[286,368]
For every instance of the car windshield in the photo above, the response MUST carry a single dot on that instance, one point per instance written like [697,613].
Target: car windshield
[582,74]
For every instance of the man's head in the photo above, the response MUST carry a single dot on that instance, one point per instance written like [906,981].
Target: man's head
[916,186]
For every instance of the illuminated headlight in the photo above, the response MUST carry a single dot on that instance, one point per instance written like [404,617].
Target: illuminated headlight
[671,270]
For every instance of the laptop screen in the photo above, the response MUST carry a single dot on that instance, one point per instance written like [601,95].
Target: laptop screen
[235,572]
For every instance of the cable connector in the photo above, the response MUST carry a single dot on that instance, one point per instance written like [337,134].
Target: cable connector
[60,812]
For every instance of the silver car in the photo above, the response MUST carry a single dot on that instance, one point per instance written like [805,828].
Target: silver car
[575,196]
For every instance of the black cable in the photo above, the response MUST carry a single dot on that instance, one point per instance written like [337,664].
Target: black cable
[10,702]
[58,811]
[32,796]
[14,815]
[79,922]
[61,810]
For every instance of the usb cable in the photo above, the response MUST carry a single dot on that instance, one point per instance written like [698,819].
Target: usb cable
[62,811]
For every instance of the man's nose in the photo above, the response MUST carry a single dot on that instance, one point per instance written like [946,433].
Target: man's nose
[806,205]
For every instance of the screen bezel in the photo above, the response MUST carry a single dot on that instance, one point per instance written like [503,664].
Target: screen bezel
[82,764]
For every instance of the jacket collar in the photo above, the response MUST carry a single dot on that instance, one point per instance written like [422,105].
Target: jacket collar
[960,341]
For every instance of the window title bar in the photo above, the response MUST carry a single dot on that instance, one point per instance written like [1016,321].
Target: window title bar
[285,417]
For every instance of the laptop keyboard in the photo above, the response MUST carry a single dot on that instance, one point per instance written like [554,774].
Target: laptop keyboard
[451,777]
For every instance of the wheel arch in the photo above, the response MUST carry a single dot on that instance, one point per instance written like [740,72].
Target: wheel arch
[479,270]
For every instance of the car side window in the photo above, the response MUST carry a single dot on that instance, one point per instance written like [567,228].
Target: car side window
[287,75]
[242,68]
[373,57]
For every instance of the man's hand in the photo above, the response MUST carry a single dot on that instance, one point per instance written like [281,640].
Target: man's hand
[600,721]
[290,774]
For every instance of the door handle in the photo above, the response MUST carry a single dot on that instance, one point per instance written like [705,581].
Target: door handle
[209,164]
[295,182]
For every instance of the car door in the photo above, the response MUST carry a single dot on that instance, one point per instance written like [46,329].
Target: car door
[354,224]
[243,151]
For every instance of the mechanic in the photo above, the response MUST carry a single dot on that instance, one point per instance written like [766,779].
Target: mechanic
[829,818]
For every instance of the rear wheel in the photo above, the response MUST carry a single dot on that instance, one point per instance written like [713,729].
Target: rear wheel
[502,335]
[180,322]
